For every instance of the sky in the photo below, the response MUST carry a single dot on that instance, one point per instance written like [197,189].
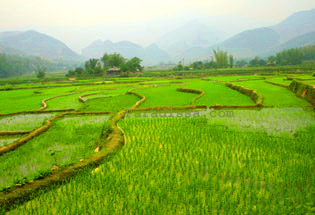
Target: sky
[141,21]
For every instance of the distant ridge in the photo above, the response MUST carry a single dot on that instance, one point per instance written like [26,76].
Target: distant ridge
[38,44]
[297,30]
[150,55]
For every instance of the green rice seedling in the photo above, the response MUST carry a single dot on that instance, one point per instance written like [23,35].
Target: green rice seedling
[165,96]
[233,77]
[112,104]
[280,80]
[275,95]
[218,94]
[30,99]
[74,138]
[303,76]
[25,122]
[66,102]
[190,166]
[310,82]
[108,93]
[7,140]
[275,121]
[108,87]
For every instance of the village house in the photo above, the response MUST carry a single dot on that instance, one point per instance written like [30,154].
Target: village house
[113,71]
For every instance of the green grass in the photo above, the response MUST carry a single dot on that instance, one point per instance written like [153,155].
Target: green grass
[25,122]
[165,96]
[188,166]
[72,138]
[218,94]
[112,104]
[275,95]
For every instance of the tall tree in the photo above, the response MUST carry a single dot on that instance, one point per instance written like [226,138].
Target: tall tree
[40,72]
[257,62]
[105,60]
[289,57]
[221,58]
[116,60]
[90,65]
[134,64]
[231,61]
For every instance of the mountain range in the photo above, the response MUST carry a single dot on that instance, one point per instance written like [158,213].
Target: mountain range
[37,44]
[151,55]
[192,41]
[295,31]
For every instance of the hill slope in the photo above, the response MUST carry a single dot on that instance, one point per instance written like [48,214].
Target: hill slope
[296,25]
[293,32]
[299,41]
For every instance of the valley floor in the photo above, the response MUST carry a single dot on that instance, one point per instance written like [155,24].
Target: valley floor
[159,146]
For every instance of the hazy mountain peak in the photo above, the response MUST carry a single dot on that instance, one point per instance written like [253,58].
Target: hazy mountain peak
[192,34]
[297,24]
[150,55]
[36,43]
[153,46]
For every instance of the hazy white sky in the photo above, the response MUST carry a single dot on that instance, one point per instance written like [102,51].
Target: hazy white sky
[19,13]
[124,19]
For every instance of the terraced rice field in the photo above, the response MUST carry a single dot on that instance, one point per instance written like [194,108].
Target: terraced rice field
[29,99]
[234,77]
[165,96]
[25,122]
[112,104]
[310,82]
[218,94]
[258,160]
[280,80]
[70,139]
[274,95]
[7,140]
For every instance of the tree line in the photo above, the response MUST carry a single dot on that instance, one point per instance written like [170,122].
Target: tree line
[222,59]
[15,65]
[96,66]
[294,56]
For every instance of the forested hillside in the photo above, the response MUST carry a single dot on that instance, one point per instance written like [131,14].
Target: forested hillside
[14,65]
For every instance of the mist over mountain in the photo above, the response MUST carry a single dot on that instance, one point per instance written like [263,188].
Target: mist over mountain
[292,32]
[190,35]
[11,51]
[299,41]
[251,42]
[296,25]
[150,55]
[190,38]
[38,44]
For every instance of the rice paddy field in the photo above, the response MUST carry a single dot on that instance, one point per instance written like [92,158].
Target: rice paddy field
[68,141]
[165,96]
[218,94]
[274,95]
[154,152]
